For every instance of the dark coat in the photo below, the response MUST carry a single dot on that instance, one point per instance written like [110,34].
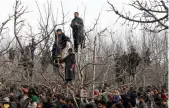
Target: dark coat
[133,62]
[134,59]
[58,46]
[69,61]
[55,51]
[133,96]
[64,106]
[125,97]
[78,30]
[62,39]
[142,105]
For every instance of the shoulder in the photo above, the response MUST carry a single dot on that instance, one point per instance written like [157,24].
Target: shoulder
[72,55]
[73,19]
[80,19]
[64,36]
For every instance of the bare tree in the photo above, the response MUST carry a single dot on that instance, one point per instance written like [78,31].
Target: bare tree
[19,11]
[153,13]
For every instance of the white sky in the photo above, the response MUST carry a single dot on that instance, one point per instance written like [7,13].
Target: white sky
[93,8]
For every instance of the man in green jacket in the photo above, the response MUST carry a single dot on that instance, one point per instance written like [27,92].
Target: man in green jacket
[78,31]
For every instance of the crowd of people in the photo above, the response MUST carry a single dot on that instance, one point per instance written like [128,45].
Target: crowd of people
[123,97]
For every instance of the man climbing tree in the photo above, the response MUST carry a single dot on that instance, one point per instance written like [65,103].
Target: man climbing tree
[26,61]
[70,63]
[118,68]
[147,57]
[32,48]
[78,31]
[59,45]
[133,61]
[124,58]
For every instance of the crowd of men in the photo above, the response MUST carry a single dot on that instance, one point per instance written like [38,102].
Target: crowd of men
[122,97]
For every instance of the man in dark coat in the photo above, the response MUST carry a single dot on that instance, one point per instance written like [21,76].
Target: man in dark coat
[78,31]
[124,58]
[118,68]
[70,63]
[60,43]
[133,61]
[147,56]
[133,96]
[32,48]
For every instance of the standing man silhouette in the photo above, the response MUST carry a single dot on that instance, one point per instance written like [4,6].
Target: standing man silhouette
[78,31]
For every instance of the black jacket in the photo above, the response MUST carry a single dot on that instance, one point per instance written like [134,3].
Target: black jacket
[60,45]
[69,61]
[62,39]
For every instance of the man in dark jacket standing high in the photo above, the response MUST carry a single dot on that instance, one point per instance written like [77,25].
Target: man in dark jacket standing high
[70,63]
[78,31]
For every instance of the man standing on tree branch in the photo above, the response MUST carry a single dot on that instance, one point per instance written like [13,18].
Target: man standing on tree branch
[70,63]
[60,46]
[78,31]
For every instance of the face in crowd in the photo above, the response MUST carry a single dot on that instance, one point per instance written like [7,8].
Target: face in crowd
[70,103]
[164,102]
[62,101]
[141,99]
[100,105]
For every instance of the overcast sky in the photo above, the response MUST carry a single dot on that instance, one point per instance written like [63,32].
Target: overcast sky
[93,7]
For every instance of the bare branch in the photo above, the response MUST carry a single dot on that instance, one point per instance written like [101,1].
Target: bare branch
[149,18]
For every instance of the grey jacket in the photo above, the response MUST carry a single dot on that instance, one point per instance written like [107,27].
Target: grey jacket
[142,105]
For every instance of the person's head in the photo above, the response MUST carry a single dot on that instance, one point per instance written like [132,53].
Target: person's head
[116,92]
[58,31]
[34,98]
[141,99]
[62,100]
[119,101]
[76,14]
[70,50]
[101,104]
[155,91]
[70,102]
[25,91]
[164,101]
[32,92]
[152,92]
